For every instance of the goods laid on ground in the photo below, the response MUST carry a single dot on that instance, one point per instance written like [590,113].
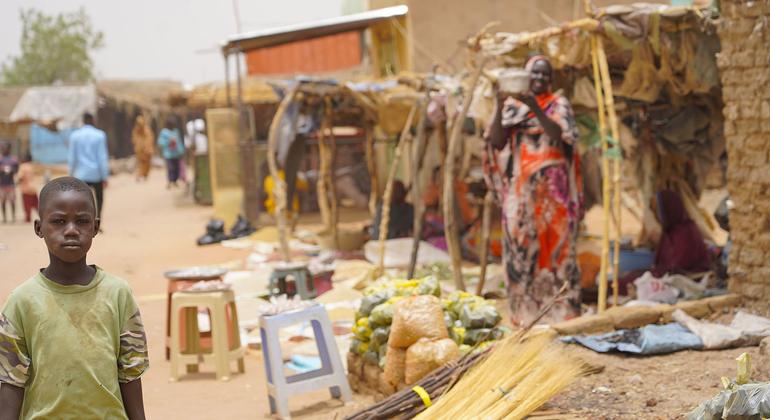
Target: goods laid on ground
[403,331]
[409,402]
[741,398]
[512,382]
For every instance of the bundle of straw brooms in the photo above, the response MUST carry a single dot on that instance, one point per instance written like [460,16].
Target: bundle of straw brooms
[515,379]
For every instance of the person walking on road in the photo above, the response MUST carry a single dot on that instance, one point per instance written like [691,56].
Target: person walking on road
[88,158]
[144,146]
[172,148]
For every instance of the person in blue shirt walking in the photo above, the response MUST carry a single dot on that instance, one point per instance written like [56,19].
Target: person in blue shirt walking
[172,149]
[89,160]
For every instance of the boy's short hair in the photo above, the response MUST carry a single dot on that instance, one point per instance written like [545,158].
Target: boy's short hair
[88,118]
[65,183]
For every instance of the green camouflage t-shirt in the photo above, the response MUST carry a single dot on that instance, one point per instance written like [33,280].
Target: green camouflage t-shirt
[71,346]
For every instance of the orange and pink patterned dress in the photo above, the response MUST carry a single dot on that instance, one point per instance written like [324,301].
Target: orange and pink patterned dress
[536,181]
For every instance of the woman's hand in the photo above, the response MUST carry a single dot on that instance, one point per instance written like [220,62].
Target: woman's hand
[529,101]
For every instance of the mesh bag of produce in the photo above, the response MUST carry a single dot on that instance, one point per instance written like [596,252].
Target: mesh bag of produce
[426,355]
[414,318]
[395,362]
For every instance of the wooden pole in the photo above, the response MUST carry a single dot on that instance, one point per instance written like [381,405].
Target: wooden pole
[419,207]
[385,214]
[486,227]
[450,224]
[334,209]
[279,189]
[323,172]
[613,120]
[602,301]
[371,165]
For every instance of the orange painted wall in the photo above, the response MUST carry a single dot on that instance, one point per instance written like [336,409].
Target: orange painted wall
[324,54]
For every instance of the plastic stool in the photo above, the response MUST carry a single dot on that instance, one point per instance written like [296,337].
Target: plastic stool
[302,279]
[331,374]
[222,332]
[179,280]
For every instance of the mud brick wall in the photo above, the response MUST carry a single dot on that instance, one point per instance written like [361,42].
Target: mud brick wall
[744,63]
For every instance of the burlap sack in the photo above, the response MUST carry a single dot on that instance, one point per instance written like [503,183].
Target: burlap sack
[415,318]
[426,355]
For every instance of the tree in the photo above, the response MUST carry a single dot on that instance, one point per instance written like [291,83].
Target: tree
[54,48]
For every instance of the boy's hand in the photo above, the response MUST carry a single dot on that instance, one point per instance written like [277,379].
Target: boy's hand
[11,398]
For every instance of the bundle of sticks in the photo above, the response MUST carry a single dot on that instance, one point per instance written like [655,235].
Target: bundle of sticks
[407,403]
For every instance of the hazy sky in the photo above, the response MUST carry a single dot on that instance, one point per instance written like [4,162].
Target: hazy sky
[169,39]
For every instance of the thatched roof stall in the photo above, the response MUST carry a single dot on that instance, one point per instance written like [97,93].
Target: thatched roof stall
[332,104]
[654,69]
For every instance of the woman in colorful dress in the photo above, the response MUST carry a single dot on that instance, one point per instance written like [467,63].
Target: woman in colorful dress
[533,169]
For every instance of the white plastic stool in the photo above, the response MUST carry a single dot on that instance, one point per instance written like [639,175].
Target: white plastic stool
[331,374]
[222,353]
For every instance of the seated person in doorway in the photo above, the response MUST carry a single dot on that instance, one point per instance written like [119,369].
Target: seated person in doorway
[681,249]
[401,215]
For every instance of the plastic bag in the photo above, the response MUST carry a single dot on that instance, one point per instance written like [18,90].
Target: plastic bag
[370,301]
[395,365]
[429,286]
[653,289]
[741,402]
[382,314]
[473,337]
[414,318]
[371,356]
[362,330]
[382,354]
[358,347]
[426,355]
[379,336]
[479,315]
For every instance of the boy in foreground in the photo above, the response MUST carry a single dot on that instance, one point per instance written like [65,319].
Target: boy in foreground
[72,344]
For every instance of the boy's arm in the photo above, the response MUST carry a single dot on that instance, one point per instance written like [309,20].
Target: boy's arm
[11,398]
[132,399]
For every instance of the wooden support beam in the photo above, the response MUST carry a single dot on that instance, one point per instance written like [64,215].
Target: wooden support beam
[279,189]
[450,224]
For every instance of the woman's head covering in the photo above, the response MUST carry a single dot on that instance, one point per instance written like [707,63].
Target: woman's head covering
[681,248]
[534,59]
[671,210]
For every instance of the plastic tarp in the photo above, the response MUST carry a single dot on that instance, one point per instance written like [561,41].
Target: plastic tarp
[49,147]
[744,330]
[750,401]
[648,340]
[63,104]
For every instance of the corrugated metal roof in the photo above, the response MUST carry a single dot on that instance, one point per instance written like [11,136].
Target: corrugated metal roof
[306,30]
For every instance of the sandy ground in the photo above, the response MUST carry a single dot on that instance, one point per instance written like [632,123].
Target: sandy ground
[149,230]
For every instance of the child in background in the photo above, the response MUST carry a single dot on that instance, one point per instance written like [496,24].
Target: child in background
[72,344]
[9,165]
[27,188]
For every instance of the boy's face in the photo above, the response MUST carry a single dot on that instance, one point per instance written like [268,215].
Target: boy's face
[68,224]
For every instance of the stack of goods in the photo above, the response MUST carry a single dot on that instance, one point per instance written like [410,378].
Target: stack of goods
[404,331]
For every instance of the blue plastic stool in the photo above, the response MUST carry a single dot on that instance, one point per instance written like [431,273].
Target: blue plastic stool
[331,374]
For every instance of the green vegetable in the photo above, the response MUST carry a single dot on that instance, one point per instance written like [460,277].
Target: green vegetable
[479,315]
[380,336]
